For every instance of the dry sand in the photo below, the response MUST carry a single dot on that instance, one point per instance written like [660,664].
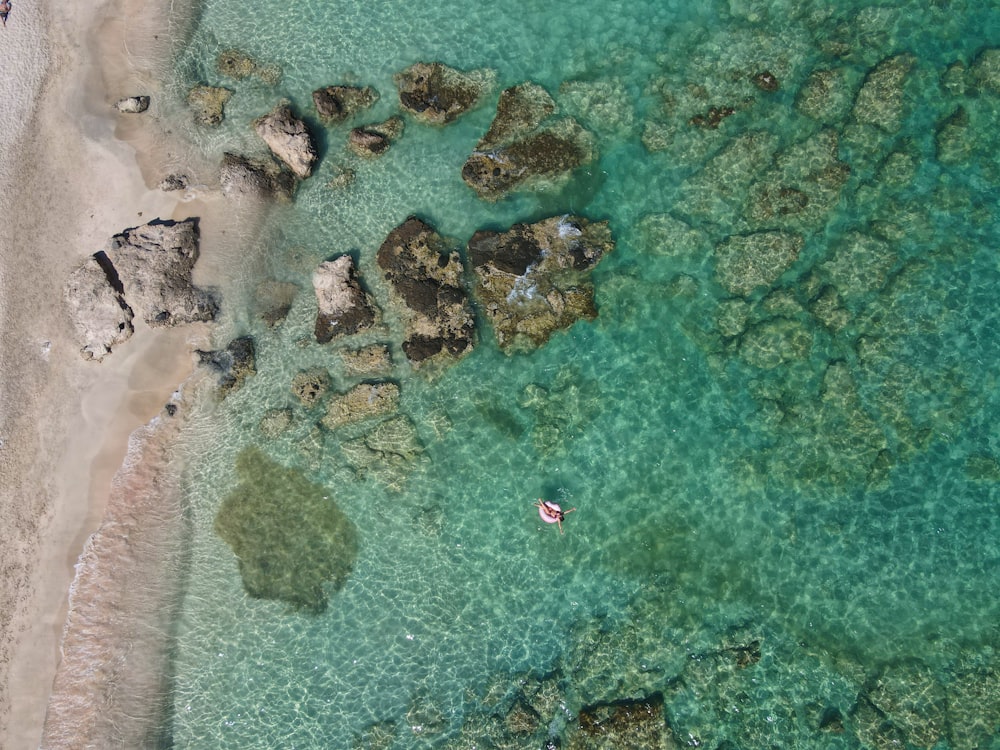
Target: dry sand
[67,184]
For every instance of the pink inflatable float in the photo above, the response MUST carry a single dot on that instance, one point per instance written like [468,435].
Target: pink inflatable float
[551,512]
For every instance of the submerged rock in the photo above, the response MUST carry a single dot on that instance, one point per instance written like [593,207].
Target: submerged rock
[233,63]
[291,540]
[344,307]
[339,103]
[985,70]
[154,264]
[208,104]
[826,95]
[744,263]
[370,360]
[546,155]
[520,110]
[257,178]
[387,450]
[289,139]
[425,280]
[102,318]
[438,94]
[273,300]
[311,385]
[880,100]
[533,279]
[624,723]
[364,401]
[235,363]
[375,139]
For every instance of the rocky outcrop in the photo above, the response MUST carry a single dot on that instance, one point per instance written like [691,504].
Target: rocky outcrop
[208,104]
[438,94]
[425,279]
[256,178]
[747,262]
[534,278]
[289,139]
[370,360]
[102,318]
[624,723]
[364,401]
[153,263]
[234,364]
[375,139]
[547,154]
[339,103]
[145,271]
[344,307]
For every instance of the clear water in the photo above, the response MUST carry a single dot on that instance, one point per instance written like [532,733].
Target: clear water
[835,502]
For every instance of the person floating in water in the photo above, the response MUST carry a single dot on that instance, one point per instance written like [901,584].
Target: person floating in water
[4,10]
[551,512]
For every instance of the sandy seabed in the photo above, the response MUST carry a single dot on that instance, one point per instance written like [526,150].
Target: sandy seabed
[86,508]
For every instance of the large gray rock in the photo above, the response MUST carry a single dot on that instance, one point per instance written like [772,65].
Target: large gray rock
[289,139]
[534,278]
[132,104]
[425,279]
[100,314]
[344,307]
[256,178]
[154,264]
[438,94]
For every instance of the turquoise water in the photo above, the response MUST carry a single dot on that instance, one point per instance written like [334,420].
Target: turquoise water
[787,529]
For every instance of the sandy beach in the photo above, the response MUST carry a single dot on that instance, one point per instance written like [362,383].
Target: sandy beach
[69,180]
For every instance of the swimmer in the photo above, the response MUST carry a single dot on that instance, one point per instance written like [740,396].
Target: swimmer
[551,512]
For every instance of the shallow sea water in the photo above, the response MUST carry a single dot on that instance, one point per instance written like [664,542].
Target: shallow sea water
[788,512]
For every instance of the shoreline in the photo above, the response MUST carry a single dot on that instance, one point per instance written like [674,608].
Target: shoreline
[69,180]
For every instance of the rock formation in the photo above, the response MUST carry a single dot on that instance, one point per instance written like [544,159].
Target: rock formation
[344,307]
[534,278]
[425,279]
[289,139]
[145,271]
[153,264]
[311,385]
[438,94]
[338,103]
[233,63]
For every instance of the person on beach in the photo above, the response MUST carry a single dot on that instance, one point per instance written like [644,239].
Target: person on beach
[551,512]
[4,11]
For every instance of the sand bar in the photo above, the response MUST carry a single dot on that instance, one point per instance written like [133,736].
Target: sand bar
[67,184]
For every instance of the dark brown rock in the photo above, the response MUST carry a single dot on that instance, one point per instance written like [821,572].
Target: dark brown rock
[425,278]
[338,103]
[438,94]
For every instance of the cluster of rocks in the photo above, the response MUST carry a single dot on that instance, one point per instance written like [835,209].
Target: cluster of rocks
[144,271]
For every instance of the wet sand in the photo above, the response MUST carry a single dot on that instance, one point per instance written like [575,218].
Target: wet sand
[69,180]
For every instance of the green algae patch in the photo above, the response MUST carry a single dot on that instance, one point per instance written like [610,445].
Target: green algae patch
[291,540]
